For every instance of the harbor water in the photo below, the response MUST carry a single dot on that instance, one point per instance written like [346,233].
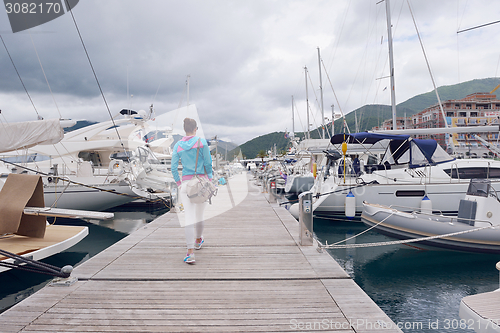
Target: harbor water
[17,285]
[419,289]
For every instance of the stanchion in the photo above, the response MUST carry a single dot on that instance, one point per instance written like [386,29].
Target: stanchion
[272,191]
[306,219]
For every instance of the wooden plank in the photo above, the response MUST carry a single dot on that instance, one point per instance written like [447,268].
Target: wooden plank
[251,275]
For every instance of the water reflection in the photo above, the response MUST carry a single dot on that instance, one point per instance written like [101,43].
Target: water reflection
[410,284]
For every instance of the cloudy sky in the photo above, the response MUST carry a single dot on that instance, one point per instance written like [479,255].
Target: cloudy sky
[245,59]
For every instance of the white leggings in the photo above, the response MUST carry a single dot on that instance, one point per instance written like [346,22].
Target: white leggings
[193,214]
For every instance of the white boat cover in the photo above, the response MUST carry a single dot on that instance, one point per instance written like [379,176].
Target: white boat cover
[29,133]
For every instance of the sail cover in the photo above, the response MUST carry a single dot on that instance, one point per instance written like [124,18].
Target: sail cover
[416,153]
[401,149]
[29,133]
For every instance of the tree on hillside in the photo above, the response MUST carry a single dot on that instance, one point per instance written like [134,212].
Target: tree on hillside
[261,154]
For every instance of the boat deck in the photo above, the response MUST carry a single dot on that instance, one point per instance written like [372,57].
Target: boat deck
[57,238]
[251,275]
[482,311]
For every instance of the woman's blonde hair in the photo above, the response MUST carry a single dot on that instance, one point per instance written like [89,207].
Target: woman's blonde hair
[189,125]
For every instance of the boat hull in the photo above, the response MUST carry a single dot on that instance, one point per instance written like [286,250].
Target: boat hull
[298,183]
[57,239]
[402,225]
[98,197]
[445,196]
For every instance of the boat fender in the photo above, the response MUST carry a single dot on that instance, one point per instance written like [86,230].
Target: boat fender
[426,205]
[315,169]
[295,210]
[350,205]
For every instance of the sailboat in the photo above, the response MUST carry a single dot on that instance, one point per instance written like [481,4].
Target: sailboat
[25,233]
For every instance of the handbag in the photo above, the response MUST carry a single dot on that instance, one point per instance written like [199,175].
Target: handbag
[200,189]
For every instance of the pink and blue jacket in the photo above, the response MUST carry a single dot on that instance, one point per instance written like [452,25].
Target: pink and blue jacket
[185,151]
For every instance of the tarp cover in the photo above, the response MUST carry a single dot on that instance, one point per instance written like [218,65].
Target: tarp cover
[402,149]
[18,192]
[29,133]
[416,152]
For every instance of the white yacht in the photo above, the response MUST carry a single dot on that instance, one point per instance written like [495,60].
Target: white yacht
[409,170]
[96,160]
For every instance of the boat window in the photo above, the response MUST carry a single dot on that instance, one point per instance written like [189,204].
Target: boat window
[122,155]
[372,160]
[35,157]
[479,187]
[475,172]
[404,158]
[440,155]
[418,157]
[91,156]
[410,193]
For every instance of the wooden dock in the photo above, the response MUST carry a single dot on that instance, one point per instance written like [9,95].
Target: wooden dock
[250,276]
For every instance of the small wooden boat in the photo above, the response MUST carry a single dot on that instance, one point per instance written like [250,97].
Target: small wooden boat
[25,233]
[476,228]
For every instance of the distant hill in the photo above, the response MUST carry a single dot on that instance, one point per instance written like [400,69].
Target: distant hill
[223,148]
[457,91]
[373,115]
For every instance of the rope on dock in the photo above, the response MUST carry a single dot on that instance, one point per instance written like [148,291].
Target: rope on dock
[30,265]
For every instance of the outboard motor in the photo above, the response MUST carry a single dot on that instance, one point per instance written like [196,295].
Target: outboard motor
[481,206]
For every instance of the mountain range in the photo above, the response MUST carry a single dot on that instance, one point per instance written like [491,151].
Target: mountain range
[372,115]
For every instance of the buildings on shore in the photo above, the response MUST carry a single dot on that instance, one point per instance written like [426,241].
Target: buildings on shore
[478,109]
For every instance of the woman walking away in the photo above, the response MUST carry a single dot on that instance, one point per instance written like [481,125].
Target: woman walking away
[186,150]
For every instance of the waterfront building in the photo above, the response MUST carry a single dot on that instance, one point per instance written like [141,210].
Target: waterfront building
[478,109]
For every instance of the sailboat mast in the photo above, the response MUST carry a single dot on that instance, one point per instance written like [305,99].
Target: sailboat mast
[187,88]
[391,63]
[307,105]
[321,91]
[293,121]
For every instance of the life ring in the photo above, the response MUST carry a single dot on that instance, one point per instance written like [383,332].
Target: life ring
[116,167]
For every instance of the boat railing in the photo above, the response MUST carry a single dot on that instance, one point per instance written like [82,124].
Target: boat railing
[454,166]
[450,219]
[414,210]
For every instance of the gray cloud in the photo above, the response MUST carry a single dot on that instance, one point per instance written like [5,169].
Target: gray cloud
[245,59]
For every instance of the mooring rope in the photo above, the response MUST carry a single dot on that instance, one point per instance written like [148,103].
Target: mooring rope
[404,241]
[30,265]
